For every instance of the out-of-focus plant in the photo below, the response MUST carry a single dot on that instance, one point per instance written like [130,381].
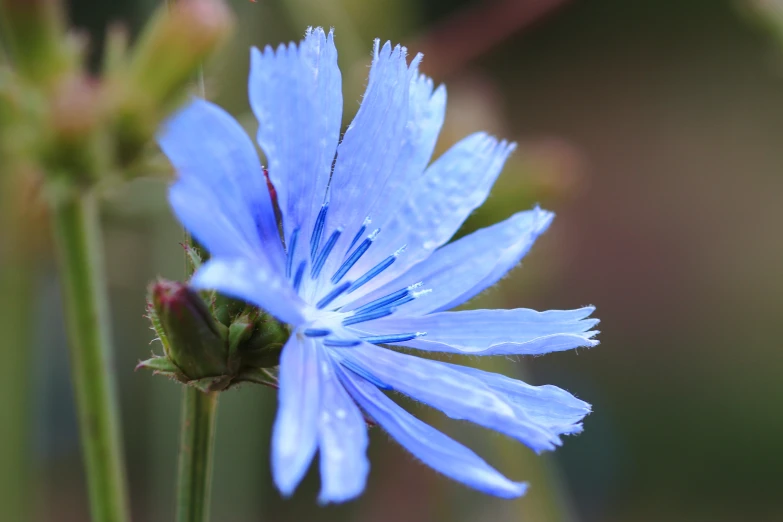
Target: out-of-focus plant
[72,132]
[768,13]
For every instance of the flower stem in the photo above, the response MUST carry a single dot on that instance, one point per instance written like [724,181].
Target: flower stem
[79,251]
[197,436]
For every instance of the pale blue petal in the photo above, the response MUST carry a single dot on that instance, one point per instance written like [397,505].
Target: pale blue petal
[224,230]
[295,432]
[429,445]
[342,440]
[464,268]
[295,93]
[368,153]
[426,112]
[549,406]
[520,331]
[456,394]
[209,149]
[255,281]
[444,196]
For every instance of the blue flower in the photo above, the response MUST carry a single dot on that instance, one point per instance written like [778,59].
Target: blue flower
[365,261]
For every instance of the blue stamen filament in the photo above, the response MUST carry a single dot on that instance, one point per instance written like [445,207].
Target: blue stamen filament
[290,253]
[315,239]
[334,294]
[316,332]
[354,257]
[361,372]
[386,300]
[318,264]
[299,274]
[375,314]
[377,269]
[359,234]
[342,343]
[393,338]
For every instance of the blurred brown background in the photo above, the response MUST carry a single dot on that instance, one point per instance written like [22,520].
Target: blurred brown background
[654,129]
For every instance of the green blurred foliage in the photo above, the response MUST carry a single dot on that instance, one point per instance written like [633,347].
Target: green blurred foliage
[652,128]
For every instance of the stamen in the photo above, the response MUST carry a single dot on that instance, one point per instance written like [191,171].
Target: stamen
[342,343]
[299,274]
[334,294]
[360,233]
[325,251]
[317,332]
[291,249]
[361,372]
[386,300]
[377,269]
[315,239]
[375,314]
[353,258]
[394,338]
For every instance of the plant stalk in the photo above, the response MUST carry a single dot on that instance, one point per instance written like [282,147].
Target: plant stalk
[197,436]
[79,251]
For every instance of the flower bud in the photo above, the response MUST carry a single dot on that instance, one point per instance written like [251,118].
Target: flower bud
[146,85]
[174,45]
[36,34]
[195,342]
[73,139]
[211,354]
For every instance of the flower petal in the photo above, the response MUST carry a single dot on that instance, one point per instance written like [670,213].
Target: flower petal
[437,205]
[210,150]
[456,394]
[551,407]
[342,440]
[295,432]
[426,112]
[367,155]
[296,94]
[466,267]
[253,280]
[224,230]
[520,331]
[429,445]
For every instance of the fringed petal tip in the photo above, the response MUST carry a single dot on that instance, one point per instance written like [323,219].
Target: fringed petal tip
[514,490]
[326,498]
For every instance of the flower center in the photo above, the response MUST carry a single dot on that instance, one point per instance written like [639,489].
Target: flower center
[328,323]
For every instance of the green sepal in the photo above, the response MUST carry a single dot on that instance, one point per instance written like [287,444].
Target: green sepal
[211,384]
[258,376]
[158,364]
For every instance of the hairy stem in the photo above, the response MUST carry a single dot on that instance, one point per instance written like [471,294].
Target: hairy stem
[197,435]
[79,250]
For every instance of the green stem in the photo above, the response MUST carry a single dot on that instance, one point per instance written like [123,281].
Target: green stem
[197,437]
[17,265]
[79,250]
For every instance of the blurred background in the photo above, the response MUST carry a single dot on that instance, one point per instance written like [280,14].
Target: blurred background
[652,128]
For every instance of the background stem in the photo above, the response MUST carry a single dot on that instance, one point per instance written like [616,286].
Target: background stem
[79,250]
[197,437]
